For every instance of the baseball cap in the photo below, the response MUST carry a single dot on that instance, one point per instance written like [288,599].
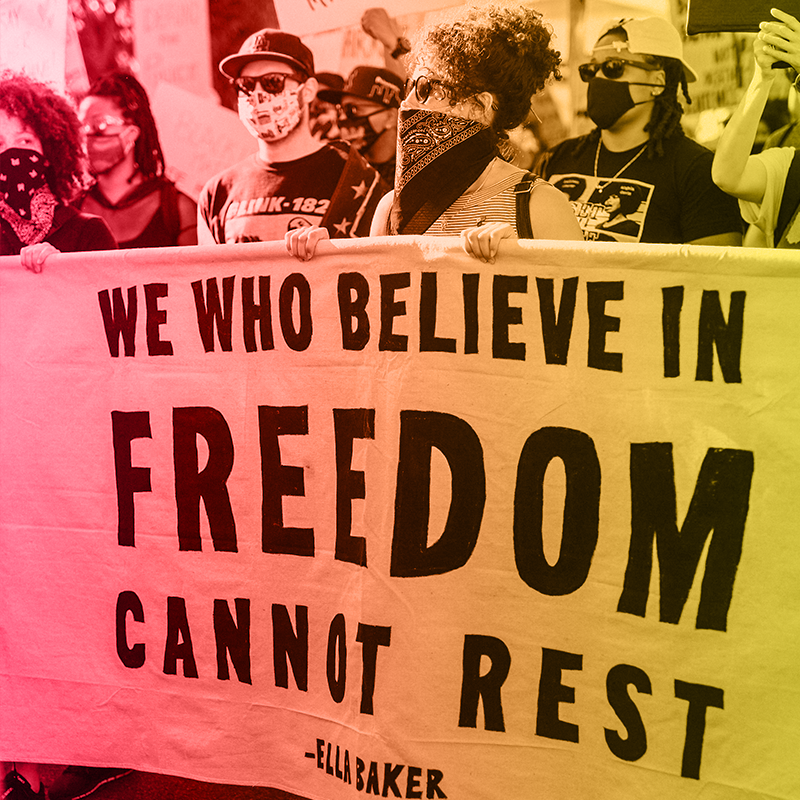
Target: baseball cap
[380,86]
[653,36]
[273,45]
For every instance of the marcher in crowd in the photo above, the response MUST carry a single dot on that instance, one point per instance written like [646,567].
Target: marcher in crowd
[473,79]
[131,192]
[633,78]
[293,180]
[788,135]
[368,106]
[767,184]
[42,170]
[325,115]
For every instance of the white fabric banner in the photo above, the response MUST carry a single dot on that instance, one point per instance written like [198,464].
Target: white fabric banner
[395,522]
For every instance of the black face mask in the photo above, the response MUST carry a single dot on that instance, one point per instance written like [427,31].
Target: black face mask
[359,131]
[607,101]
[26,200]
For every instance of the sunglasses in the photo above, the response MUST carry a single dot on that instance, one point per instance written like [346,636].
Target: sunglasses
[271,82]
[352,112]
[99,127]
[612,68]
[425,87]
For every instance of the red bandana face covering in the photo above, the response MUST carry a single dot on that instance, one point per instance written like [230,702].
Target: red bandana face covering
[439,156]
[26,202]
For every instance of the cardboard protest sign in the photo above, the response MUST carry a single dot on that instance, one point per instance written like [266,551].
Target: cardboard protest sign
[393,522]
[313,16]
[33,38]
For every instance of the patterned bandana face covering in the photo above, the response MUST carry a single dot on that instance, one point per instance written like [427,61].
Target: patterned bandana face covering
[270,116]
[26,202]
[438,157]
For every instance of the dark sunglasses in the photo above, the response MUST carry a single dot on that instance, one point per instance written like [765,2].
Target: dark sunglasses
[351,111]
[425,87]
[271,82]
[612,69]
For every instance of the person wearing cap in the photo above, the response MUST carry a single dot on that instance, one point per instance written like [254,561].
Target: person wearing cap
[766,184]
[293,180]
[325,115]
[633,78]
[368,106]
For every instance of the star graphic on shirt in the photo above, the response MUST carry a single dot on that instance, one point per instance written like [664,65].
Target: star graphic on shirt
[359,190]
[342,226]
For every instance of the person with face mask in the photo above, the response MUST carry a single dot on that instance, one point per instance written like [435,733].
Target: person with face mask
[131,192]
[473,79]
[293,180]
[633,78]
[42,170]
[368,104]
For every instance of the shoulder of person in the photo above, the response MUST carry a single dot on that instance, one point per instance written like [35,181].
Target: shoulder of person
[563,150]
[230,174]
[777,156]
[685,147]
[569,145]
[77,231]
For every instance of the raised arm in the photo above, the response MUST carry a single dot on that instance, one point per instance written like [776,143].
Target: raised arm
[734,171]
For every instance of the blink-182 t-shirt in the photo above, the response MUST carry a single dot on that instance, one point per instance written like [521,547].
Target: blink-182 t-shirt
[257,202]
[669,199]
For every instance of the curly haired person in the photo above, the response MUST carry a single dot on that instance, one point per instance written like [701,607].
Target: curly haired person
[473,78]
[633,78]
[42,171]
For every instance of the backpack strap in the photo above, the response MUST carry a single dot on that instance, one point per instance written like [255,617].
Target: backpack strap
[791,198]
[169,209]
[523,192]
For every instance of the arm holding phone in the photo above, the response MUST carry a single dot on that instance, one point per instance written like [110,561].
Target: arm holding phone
[734,170]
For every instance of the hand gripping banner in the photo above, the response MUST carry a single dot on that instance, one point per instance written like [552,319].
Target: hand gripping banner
[393,522]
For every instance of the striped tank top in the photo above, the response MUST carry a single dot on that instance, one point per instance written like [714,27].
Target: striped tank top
[496,202]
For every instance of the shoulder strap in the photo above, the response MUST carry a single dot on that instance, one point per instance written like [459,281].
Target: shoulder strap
[523,192]
[791,197]
[169,208]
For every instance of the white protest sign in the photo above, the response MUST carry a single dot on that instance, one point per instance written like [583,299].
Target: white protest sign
[33,38]
[396,523]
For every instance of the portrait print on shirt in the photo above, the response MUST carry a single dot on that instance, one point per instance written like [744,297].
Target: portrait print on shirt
[608,210]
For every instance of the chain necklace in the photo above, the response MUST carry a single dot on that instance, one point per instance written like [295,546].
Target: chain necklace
[619,171]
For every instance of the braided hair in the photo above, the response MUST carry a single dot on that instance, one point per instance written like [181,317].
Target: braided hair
[665,120]
[134,104]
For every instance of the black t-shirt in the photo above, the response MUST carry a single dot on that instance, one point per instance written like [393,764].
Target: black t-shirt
[668,199]
[257,202]
[71,232]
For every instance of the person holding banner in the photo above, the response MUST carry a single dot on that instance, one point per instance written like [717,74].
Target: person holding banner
[42,170]
[767,184]
[633,78]
[472,80]
[294,180]
[131,193]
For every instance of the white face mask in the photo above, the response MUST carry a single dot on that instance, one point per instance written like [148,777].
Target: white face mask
[271,117]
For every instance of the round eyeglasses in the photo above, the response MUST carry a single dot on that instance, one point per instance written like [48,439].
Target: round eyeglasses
[612,68]
[425,88]
[99,127]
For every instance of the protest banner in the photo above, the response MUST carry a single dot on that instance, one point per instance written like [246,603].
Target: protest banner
[394,522]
